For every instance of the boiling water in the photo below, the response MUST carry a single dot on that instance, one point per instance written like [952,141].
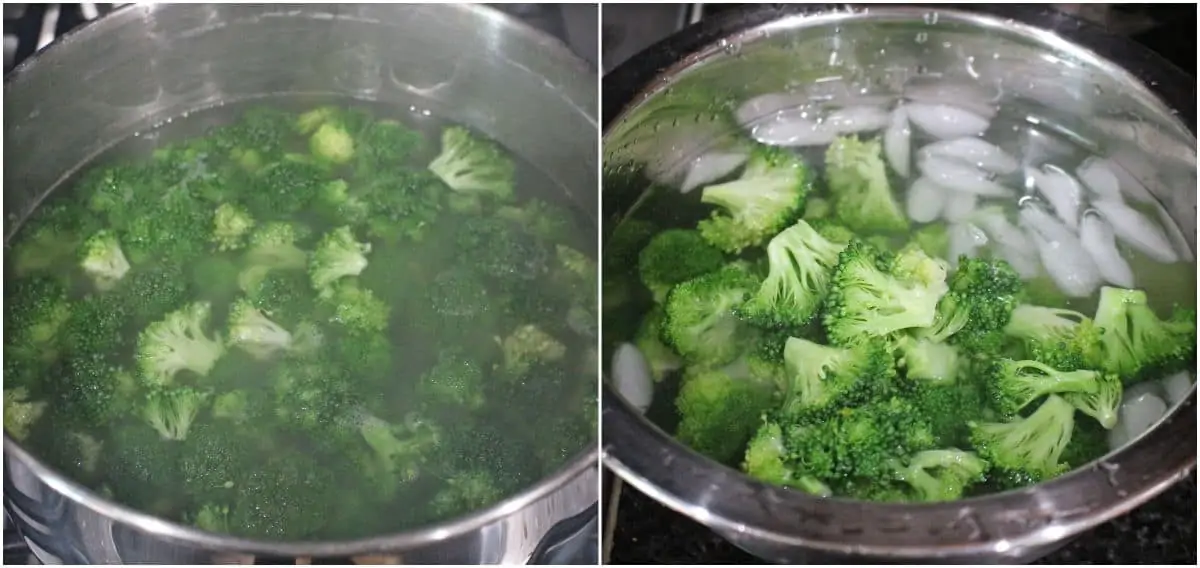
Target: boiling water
[522,432]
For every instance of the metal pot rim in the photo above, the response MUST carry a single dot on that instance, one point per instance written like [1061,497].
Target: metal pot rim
[730,502]
[396,541]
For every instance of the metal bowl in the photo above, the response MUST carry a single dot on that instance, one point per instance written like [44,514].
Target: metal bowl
[144,63]
[1057,71]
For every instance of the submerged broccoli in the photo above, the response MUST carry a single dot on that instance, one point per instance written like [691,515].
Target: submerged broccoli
[674,256]
[720,409]
[800,264]
[48,241]
[701,321]
[453,379]
[357,309]
[332,143]
[470,164]
[819,376]
[858,180]
[272,247]
[974,313]
[285,187]
[1064,339]
[1102,403]
[400,449]
[20,413]
[501,249]
[212,518]
[1137,344]
[927,360]
[527,346]
[766,198]
[934,239]
[255,333]
[874,295]
[1012,385]
[170,411]
[177,343]
[103,261]
[37,313]
[662,358]
[337,255]
[1028,448]
[941,475]
[464,492]
[542,219]
[231,224]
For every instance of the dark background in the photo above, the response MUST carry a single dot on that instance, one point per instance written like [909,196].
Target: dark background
[1162,531]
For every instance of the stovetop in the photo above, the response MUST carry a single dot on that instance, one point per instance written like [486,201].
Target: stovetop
[31,27]
[638,530]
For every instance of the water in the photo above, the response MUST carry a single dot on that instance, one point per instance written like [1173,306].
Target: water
[525,429]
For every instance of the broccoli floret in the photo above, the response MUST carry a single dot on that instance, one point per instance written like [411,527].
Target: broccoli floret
[20,412]
[401,205]
[465,492]
[1028,448]
[1103,403]
[542,219]
[212,461]
[357,309]
[767,197]
[337,255]
[171,410]
[1089,441]
[332,143]
[150,292]
[272,247]
[528,345]
[285,187]
[1137,344]
[662,358]
[231,224]
[674,256]
[719,411]
[927,360]
[384,143]
[138,459]
[73,452]
[858,180]
[102,260]
[459,292]
[310,120]
[501,249]
[832,231]
[255,333]
[942,475]
[453,379]
[1064,339]
[212,518]
[286,498]
[234,406]
[49,239]
[335,200]
[578,273]
[365,355]
[934,239]
[178,342]
[311,393]
[800,264]
[873,295]
[820,376]
[701,322]
[973,314]
[948,407]
[401,449]
[37,313]
[285,297]
[1012,385]
[94,391]
[473,165]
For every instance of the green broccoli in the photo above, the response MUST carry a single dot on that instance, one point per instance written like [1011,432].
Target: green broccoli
[542,219]
[874,295]
[1101,404]
[382,144]
[820,376]
[467,491]
[139,458]
[501,249]
[212,518]
[97,325]
[337,255]
[48,240]
[401,205]
[311,394]
[401,449]
[701,321]
[231,225]
[102,261]
[801,262]
[767,460]
[171,410]
[858,180]
[1064,339]
[356,308]
[674,256]
[974,313]
[252,331]
[934,239]
[285,187]
[285,498]
[310,120]
[287,297]
[365,355]
[1013,385]
[528,345]
[948,407]
[1028,448]
[20,412]
[177,343]
[94,391]
[817,208]
[37,312]
[453,379]
[152,291]
[662,358]
[332,143]
[767,198]
[473,165]
[941,475]
[928,360]
[459,292]
[1137,344]
[213,459]
[337,202]
[272,247]
[234,406]
[719,410]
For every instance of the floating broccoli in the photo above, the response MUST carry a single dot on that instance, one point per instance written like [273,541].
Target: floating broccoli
[253,332]
[1137,343]
[720,410]
[701,321]
[674,256]
[453,379]
[103,261]
[171,410]
[177,343]
[800,264]
[231,225]
[862,196]
[820,375]
[528,345]
[338,255]
[470,164]
[765,199]
[20,412]
[1028,448]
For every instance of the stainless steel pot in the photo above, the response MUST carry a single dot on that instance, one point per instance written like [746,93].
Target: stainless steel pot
[145,63]
[1064,72]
